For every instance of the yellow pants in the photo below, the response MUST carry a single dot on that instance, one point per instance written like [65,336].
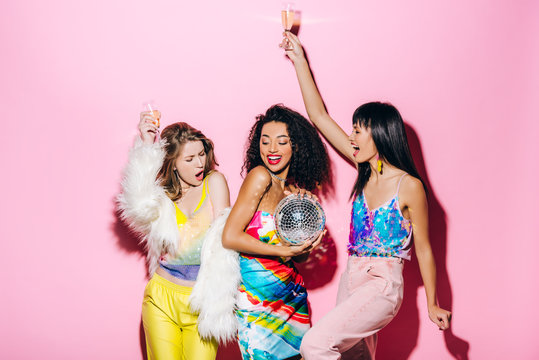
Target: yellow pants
[170,327]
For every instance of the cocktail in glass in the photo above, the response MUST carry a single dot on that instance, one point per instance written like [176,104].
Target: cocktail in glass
[287,18]
[150,108]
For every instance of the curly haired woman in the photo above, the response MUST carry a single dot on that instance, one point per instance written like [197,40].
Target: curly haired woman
[272,311]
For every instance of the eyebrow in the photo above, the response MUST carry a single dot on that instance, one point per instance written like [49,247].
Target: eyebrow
[193,155]
[278,136]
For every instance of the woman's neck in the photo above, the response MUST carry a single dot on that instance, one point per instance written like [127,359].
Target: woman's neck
[281,177]
[380,171]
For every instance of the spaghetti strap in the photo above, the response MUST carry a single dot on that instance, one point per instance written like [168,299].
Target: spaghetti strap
[203,196]
[399,185]
[207,187]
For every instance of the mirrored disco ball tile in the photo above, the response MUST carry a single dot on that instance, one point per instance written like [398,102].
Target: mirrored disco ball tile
[299,219]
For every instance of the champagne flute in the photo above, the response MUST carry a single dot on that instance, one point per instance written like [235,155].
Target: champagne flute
[287,18]
[150,108]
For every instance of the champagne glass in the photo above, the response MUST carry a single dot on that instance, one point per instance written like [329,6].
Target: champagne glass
[287,18]
[150,108]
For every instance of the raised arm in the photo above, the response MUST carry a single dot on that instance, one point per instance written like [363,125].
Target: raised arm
[313,101]
[142,199]
[414,198]
[234,236]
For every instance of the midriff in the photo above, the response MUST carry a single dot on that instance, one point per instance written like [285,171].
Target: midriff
[163,273]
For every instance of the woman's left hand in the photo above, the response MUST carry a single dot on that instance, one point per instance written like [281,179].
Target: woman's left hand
[296,52]
[300,192]
[304,255]
[440,317]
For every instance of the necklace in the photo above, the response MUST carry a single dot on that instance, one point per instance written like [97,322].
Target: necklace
[276,177]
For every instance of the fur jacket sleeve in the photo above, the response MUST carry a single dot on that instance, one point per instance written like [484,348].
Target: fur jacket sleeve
[144,205]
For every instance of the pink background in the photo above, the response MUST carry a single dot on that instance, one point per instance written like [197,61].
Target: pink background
[73,75]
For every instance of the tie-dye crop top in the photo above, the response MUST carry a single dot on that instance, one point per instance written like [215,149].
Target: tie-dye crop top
[381,232]
[186,264]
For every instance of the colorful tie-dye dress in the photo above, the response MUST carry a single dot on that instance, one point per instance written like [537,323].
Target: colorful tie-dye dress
[272,309]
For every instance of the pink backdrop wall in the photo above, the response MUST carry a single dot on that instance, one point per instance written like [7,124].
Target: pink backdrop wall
[73,75]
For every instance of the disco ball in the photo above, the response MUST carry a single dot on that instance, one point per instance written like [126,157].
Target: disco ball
[299,219]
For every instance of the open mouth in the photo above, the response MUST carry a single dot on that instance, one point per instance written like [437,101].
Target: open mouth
[356,149]
[200,175]
[274,159]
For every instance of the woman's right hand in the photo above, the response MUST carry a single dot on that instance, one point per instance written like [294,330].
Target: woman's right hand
[148,129]
[292,189]
[296,53]
[306,247]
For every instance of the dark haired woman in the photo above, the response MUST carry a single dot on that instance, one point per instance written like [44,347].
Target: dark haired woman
[170,196]
[389,201]
[272,311]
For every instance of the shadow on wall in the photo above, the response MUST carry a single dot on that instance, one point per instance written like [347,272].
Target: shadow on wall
[230,351]
[127,241]
[399,338]
[320,267]
[125,238]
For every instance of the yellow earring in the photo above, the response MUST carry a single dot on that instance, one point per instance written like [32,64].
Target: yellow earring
[380,166]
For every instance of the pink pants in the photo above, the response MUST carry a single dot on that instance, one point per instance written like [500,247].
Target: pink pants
[370,294]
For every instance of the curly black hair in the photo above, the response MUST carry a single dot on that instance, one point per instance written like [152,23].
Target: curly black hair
[309,166]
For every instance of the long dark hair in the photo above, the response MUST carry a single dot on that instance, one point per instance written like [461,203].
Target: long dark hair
[309,165]
[389,136]
[176,135]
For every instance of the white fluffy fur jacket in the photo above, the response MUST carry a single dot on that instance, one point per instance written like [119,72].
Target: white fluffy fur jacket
[146,208]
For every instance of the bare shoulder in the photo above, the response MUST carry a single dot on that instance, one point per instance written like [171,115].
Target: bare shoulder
[255,184]
[252,190]
[217,183]
[258,175]
[411,189]
[215,178]
[218,191]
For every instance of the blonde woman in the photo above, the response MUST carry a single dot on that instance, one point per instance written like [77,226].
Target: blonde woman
[171,194]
